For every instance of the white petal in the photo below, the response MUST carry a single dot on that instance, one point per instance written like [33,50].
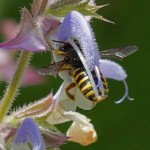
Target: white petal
[80,100]
[82,134]
[65,101]
[56,118]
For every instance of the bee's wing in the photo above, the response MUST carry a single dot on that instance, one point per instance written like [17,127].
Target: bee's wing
[120,53]
[52,69]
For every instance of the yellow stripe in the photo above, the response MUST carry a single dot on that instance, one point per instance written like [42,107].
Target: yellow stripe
[82,80]
[74,72]
[79,75]
[90,93]
[86,87]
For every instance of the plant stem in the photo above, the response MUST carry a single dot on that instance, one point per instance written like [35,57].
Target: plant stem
[43,6]
[12,89]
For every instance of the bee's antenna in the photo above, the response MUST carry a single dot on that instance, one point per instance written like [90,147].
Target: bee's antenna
[59,41]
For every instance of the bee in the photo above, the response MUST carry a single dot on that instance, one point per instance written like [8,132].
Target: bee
[72,63]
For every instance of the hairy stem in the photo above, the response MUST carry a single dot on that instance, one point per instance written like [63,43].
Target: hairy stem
[12,88]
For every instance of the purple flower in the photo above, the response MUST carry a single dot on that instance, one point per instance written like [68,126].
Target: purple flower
[8,66]
[39,138]
[28,132]
[81,130]
[28,38]
[77,28]
[114,71]
[74,27]
[110,70]
[38,32]
[10,29]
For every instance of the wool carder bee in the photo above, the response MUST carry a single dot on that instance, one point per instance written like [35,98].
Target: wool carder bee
[73,64]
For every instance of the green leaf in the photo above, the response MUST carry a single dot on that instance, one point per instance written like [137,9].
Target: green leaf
[95,15]
[94,8]
[62,8]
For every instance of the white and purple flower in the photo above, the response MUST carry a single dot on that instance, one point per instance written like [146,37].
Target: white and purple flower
[32,125]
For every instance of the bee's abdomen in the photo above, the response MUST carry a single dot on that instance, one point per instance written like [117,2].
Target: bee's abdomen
[82,80]
[105,84]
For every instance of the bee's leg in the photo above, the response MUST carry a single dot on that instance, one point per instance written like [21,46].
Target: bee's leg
[72,85]
[65,67]
[58,52]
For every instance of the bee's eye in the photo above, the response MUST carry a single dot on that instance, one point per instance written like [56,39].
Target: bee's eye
[62,49]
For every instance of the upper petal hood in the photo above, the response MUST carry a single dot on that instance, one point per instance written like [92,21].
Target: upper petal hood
[76,27]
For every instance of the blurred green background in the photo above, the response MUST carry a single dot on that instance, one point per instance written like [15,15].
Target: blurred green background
[120,127]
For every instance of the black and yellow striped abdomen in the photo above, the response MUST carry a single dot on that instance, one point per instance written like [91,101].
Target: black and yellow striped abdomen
[82,81]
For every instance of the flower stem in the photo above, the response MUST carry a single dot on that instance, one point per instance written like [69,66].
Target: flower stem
[43,6]
[12,89]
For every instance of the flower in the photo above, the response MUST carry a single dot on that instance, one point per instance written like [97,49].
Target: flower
[8,66]
[28,131]
[81,131]
[27,38]
[110,70]
[48,112]
[35,31]
[83,134]
[33,126]
[78,29]
[39,136]
[114,71]
[9,29]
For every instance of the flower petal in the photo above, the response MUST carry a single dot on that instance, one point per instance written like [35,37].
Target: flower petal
[53,139]
[80,100]
[9,29]
[36,110]
[63,113]
[31,77]
[68,104]
[47,26]
[29,132]
[114,71]
[27,39]
[82,134]
[76,27]
[8,68]
[7,132]
[5,58]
